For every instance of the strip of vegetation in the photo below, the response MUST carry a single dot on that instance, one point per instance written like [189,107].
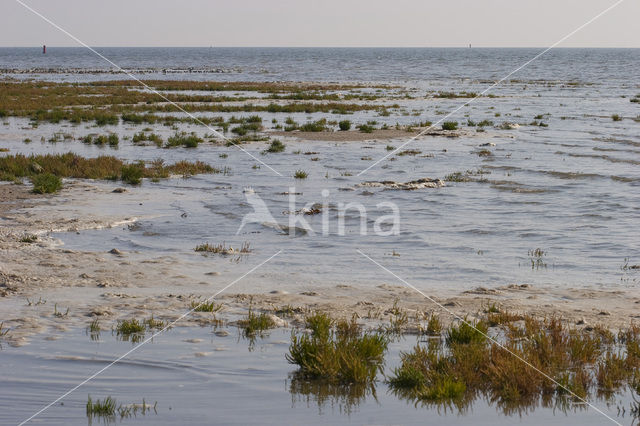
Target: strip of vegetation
[104,102]
[466,365]
[71,165]
[453,95]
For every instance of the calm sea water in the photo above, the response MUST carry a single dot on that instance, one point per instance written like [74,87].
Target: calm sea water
[604,66]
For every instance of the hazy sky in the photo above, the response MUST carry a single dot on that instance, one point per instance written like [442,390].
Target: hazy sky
[410,23]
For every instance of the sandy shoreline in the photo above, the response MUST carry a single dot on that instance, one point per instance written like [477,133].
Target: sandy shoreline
[117,286]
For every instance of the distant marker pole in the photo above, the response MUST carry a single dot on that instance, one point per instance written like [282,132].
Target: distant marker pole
[44,49]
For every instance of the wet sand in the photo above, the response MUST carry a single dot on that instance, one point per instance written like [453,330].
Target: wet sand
[15,196]
[119,285]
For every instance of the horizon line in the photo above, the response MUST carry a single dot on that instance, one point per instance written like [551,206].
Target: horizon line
[318,47]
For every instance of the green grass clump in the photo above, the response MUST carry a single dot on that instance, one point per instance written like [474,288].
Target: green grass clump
[457,177]
[434,326]
[205,306]
[485,123]
[467,333]
[111,139]
[28,238]
[300,174]
[184,139]
[314,126]
[132,174]
[131,326]
[290,124]
[276,146]
[94,326]
[104,408]
[337,352]
[245,248]
[46,183]
[151,137]
[616,117]
[255,324]
[450,125]
[366,128]
[108,408]
[250,124]
[344,125]
[134,329]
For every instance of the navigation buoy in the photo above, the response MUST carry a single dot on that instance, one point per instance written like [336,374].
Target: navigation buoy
[44,49]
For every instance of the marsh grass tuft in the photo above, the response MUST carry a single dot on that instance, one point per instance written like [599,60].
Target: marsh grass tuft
[245,248]
[59,314]
[300,174]
[46,183]
[107,409]
[536,257]
[337,351]
[184,139]
[3,331]
[131,326]
[467,332]
[276,146]
[450,125]
[256,324]
[205,306]
[366,128]
[314,126]
[134,329]
[457,177]
[28,238]
[151,137]
[344,125]
[98,408]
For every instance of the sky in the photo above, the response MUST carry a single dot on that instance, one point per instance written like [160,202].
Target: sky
[323,23]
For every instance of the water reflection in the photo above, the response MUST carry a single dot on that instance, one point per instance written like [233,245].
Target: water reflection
[346,398]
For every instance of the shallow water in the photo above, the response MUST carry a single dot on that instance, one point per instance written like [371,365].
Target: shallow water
[198,377]
[548,188]
[570,189]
